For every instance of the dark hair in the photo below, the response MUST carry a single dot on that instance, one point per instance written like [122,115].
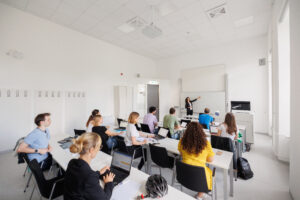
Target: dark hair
[186,99]
[206,110]
[172,111]
[94,113]
[152,109]
[40,117]
[194,138]
[230,122]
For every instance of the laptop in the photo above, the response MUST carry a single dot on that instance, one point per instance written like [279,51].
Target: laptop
[123,125]
[120,166]
[162,133]
[213,129]
[183,124]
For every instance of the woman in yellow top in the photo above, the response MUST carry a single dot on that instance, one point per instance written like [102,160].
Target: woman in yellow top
[196,150]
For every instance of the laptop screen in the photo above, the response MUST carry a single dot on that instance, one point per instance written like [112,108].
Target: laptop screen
[123,124]
[213,129]
[121,160]
[163,132]
[183,124]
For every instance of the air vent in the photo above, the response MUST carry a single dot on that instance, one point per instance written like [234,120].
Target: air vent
[217,11]
[152,31]
[136,22]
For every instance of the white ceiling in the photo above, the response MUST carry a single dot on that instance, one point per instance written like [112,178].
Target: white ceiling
[187,29]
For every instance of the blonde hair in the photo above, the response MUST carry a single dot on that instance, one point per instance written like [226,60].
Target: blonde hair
[97,119]
[85,142]
[132,117]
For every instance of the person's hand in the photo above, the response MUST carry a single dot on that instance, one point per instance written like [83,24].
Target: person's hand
[121,132]
[107,127]
[43,151]
[198,97]
[49,148]
[108,178]
[145,141]
[103,170]
[151,135]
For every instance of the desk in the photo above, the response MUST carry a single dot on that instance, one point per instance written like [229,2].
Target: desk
[63,156]
[224,162]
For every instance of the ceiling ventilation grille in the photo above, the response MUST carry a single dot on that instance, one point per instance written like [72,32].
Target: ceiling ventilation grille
[136,22]
[217,11]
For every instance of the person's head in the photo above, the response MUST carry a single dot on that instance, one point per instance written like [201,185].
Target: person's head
[152,110]
[98,120]
[230,122]
[91,117]
[194,138]
[87,144]
[172,111]
[206,111]
[43,119]
[133,117]
[187,99]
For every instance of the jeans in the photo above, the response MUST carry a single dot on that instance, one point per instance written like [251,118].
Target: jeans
[176,135]
[111,142]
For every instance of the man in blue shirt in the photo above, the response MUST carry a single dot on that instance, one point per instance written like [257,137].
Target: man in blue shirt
[206,119]
[36,144]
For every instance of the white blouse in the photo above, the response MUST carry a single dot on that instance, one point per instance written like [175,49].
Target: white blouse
[224,133]
[131,131]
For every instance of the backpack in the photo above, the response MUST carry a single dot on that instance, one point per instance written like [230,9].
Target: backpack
[244,170]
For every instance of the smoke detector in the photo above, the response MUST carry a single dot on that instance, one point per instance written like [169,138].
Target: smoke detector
[217,11]
[152,31]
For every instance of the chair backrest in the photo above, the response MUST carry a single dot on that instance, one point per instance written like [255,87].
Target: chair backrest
[204,126]
[159,156]
[191,177]
[223,143]
[42,183]
[121,145]
[145,128]
[79,132]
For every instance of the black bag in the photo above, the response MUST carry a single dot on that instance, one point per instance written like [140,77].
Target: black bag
[244,170]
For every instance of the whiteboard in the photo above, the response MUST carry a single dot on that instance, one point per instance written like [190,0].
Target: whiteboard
[215,101]
[209,78]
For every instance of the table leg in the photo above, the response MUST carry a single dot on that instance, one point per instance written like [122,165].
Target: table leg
[149,161]
[225,182]
[231,178]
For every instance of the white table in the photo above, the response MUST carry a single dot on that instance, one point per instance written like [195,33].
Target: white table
[223,161]
[63,156]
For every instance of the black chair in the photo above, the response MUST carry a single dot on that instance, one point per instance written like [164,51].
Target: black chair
[135,153]
[25,157]
[226,144]
[204,126]
[160,157]
[119,121]
[49,189]
[145,128]
[138,127]
[79,132]
[194,178]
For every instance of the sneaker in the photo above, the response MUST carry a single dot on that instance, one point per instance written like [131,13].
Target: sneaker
[206,197]
[198,198]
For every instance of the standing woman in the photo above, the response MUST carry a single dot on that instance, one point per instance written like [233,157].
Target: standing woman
[196,150]
[189,105]
[90,122]
[81,182]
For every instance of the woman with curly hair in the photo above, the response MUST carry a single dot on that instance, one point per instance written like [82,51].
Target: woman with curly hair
[196,150]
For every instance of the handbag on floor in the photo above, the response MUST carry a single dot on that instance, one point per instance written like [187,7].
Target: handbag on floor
[244,169]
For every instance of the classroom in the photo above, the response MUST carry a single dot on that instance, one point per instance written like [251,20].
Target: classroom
[149,99]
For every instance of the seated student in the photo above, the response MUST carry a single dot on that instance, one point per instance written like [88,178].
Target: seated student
[81,182]
[196,150]
[90,122]
[228,127]
[36,144]
[131,138]
[151,119]
[170,122]
[105,134]
[205,118]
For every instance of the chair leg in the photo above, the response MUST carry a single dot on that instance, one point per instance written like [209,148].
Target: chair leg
[180,187]
[29,178]
[32,191]
[173,175]
[144,160]
[50,197]
[25,171]
[159,171]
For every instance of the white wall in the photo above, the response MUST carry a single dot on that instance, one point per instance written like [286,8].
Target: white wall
[295,99]
[60,59]
[246,79]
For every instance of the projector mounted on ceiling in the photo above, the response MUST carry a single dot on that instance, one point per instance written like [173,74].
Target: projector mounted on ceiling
[152,31]
[217,11]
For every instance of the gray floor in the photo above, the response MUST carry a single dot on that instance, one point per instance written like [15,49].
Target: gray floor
[270,179]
